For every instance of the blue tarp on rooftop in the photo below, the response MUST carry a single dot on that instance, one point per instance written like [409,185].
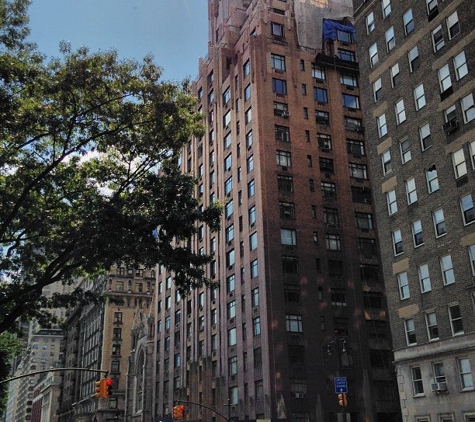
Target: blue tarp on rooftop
[330,28]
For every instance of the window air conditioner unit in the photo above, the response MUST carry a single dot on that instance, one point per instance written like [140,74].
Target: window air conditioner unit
[299,395]
[285,114]
[439,387]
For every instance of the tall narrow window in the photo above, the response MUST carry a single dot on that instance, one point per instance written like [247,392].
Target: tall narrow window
[468,210]
[417,383]
[408,20]
[447,270]
[373,55]
[439,222]
[397,242]
[456,320]
[424,136]
[403,284]
[424,278]
[411,191]
[386,7]
[453,25]
[391,201]
[432,327]
[419,97]
[382,125]
[410,329]
[414,60]
[466,380]
[432,179]
[417,233]
[390,39]
[400,111]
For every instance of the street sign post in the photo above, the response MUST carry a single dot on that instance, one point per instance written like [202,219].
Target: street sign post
[340,385]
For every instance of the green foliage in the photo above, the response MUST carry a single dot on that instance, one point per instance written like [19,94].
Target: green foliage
[89,175]
[10,347]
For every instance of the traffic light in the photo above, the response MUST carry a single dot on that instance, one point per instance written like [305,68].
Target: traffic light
[342,401]
[98,389]
[178,411]
[108,383]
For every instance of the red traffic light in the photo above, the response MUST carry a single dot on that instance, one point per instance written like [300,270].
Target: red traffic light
[108,386]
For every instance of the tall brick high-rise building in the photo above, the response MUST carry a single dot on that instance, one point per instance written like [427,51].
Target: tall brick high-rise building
[301,300]
[417,62]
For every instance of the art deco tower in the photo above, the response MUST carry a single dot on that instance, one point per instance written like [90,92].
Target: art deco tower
[301,300]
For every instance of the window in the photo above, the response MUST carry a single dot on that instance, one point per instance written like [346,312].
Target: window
[322,117]
[290,265]
[347,55]
[279,86]
[226,95]
[330,217]
[288,237]
[408,20]
[394,73]
[254,268]
[294,323]
[364,221]
[416,227]
[405,147]
[230,258]
[305,112]
[353,124]
[432,8]
[453,25]
[318,72]
[248,115]
[283,158]
[328,189]
[419,97]
[439,223]
[471,252]
[227,119]
[349,80]
[445,82]
[424,136]
[413,57]
[386,6]
[251,189]
[386,162]
[333,242]
[424,278]
[417,383]
[281,109]
[228,209]
[277,30]
[326,165]
[351,102]
[382,125]
[391,201]
[373,55]
[338,297]
[410,329]
[458,161]
[355,147]
[256,326]
[460,65]
[277,62]
[228,186]
[455,320]
[358,171]
[325,142]
[390,40]
[255,297]
[292,293]
[367,250]
[229,233]
[343,36]
[249,139]
[403,284]
[432,179]
[231,309]
[247,92]
[468,109]
[320,95]
[447,269]
[250,163]
[468,210]
[432,328]
[411,192]
[232,337]
[438,41]
[282,133]
[370,23]
[439,372]
[397,242]
[252,216]
[246,68]
[228,162]
[400,111]
[285,184]
[466,380]
[377,90]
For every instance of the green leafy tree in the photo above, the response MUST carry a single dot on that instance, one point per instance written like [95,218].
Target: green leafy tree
[10,347]
[89,170]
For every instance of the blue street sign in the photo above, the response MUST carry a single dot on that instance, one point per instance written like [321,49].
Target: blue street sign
[340,385]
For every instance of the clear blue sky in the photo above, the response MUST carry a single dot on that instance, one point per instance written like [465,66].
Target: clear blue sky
[175,32]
